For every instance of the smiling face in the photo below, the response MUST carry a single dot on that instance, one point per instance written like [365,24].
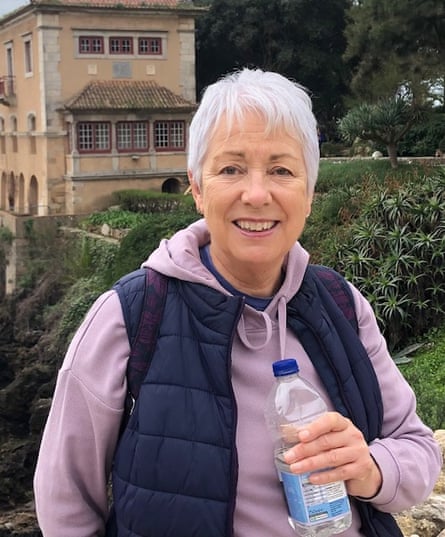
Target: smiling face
[254,198]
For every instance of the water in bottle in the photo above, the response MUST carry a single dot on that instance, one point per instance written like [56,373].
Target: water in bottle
[314,510]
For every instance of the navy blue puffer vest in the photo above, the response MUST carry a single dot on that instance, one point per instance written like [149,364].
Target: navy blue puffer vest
[175,470]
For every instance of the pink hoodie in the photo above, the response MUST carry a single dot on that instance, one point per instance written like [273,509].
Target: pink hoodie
[81,433]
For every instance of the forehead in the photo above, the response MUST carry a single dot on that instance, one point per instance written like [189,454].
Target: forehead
[251,126]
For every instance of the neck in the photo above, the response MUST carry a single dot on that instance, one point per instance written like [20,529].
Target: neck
[253,281]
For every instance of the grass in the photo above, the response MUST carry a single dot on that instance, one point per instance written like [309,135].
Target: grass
[342,173]
[426,375]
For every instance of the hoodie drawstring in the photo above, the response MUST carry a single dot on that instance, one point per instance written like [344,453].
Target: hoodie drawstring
[282,325]
[281,314]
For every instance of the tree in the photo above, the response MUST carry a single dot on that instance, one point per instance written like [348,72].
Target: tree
[301,39]
[395,44]
[385,122]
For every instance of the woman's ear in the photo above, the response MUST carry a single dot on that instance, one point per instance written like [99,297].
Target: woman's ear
[196,192]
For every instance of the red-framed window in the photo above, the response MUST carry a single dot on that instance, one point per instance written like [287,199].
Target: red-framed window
[94,137]
[169,135]
[132,136]
[120,45]
[91,44]
[150,46]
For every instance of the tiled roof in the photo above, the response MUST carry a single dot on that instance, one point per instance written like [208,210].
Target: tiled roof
[114,3]
[127,95]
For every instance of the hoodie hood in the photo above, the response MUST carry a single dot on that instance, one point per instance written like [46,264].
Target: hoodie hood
[178,257]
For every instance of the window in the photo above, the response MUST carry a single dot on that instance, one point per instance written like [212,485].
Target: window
[150,45]
[121,45]
[28,56]
[169,135]
[31,132]
[132,136]
[89,44]
[2,138]
[9,82]
[93,137]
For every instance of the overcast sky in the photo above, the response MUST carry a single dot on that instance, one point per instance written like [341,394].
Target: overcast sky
[9,5]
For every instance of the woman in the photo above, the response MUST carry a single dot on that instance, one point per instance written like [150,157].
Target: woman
[196,459]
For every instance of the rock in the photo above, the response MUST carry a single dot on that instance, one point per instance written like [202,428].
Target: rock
[439,435]
[428,518]
[377,154]
[20,522]
[105,230]
[39,413]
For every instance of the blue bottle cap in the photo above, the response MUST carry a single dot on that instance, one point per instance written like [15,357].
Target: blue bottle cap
[288,366]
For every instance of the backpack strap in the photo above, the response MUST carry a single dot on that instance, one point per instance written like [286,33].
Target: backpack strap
[142,294]
[340,291]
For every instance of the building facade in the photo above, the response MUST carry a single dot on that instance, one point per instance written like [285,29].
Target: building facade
[95,96]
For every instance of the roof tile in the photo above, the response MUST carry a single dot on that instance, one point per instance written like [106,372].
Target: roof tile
[127,95]
[114,3]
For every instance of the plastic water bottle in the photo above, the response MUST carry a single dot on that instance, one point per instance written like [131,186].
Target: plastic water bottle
[314,510]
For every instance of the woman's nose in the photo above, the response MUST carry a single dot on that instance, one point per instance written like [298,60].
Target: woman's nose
[256,189]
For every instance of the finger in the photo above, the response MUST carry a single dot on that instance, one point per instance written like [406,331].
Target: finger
[356,459]
[329,422]
[328,443]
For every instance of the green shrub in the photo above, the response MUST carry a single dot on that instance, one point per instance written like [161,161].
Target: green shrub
[145,237]
[145,201]
[70,312]
[426,375]
[425,137]
[85,256]
[364,172]
[384,229]
[334,149]
[115,218]
[395,254]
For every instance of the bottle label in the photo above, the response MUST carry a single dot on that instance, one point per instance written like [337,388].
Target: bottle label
[312,504]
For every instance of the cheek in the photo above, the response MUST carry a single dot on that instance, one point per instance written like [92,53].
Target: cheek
[212,198]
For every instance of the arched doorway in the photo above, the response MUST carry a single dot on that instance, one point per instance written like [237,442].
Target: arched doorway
[32,132]
[11,192]
[171,186]
[3,191]
[21,195]
[33,195]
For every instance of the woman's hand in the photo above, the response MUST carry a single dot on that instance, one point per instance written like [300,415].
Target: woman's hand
[333,444]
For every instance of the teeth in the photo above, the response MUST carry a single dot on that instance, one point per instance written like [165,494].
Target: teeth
[255,226]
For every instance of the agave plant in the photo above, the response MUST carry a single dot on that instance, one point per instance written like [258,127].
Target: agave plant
[395,254]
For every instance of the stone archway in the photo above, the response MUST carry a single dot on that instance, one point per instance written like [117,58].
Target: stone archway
[11,192]
[33,195]
[171,186]
[21,195]
[3,192]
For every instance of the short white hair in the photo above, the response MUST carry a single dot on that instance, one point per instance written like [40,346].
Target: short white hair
[282,102]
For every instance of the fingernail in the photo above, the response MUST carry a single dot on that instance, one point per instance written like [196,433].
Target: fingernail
[303,434]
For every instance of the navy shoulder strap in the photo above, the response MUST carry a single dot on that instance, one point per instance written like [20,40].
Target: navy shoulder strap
[340,291]
[142,295]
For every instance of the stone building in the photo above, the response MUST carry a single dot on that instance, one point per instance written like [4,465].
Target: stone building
[95,96]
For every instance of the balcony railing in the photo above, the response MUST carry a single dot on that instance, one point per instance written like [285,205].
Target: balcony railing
[7,90]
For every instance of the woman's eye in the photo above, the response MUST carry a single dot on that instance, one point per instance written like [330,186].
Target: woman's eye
[280,171]
[229,170]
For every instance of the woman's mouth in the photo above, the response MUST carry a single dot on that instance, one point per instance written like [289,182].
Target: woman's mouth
[255,225]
